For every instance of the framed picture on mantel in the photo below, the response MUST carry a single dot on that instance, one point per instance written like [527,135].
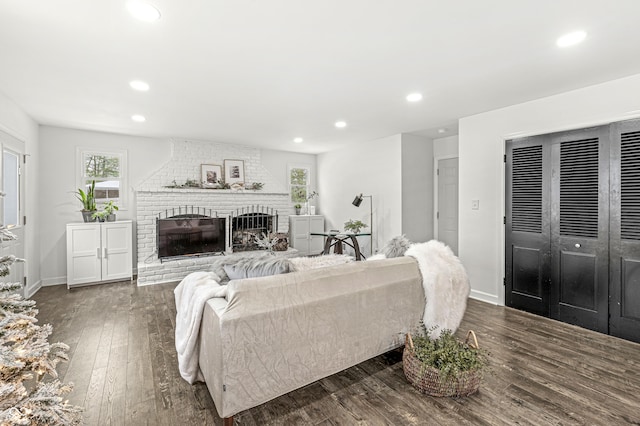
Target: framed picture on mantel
[211,175]
[234,172]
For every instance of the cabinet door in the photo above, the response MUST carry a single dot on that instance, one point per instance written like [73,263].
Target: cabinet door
[116,251]
[83,254]
[316,242]
[299,234]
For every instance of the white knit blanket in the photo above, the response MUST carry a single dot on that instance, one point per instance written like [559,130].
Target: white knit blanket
[191,296]
[446,286]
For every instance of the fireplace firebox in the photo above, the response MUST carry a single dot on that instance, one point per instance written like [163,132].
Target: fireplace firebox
[251,223]
[190,232]
[196,231]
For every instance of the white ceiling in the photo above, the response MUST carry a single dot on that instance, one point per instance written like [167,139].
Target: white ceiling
[263,72]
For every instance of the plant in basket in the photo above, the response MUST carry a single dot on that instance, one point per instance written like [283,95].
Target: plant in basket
[444,366]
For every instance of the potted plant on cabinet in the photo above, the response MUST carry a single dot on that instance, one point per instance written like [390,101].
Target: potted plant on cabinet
[110,208]
[297,207]
[88,200]
[107,213]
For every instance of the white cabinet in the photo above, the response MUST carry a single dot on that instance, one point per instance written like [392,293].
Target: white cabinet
[300,228]
[100,251]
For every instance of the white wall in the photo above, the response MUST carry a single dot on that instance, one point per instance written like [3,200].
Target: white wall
[18,124]
[417,187]
[445,147]
[481,144]
[58,182]
[278,162]
[372,168]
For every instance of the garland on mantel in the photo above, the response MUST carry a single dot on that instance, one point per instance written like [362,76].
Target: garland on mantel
[193,184]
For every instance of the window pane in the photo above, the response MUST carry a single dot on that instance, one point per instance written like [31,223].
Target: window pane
[299,176]
[101,166]
[11,188]
[298,194]
[105,190]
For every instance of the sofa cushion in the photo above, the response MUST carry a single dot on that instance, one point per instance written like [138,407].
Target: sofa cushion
[261,266]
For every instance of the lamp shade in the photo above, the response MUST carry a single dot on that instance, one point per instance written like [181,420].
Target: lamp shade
[357,201]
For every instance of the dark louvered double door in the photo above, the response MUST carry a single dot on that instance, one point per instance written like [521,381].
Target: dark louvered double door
[573,227]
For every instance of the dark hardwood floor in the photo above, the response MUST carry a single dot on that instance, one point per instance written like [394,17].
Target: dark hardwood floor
[123,364]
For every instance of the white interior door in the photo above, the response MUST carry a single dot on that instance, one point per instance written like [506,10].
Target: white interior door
[447,202]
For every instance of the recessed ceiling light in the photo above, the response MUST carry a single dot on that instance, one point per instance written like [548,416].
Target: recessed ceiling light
[414,97]
[143,11]
[298,140]
[443,130]
[340,124]
[571,39]
[138,118]
[139,85]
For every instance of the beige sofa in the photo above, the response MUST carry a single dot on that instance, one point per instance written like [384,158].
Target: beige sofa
[274,334]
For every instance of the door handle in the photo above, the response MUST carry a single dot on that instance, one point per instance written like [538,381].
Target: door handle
[104,253]
[577,245]
[99,257]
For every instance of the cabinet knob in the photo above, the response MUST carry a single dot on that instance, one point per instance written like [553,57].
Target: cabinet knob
[578,245]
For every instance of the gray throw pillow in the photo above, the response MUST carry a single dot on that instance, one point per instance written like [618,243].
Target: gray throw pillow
[257,267]
[396,247]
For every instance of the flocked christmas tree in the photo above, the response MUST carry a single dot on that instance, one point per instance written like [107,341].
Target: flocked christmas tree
[30,393]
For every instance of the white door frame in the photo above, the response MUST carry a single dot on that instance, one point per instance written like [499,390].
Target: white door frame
[16,146]
[435,190]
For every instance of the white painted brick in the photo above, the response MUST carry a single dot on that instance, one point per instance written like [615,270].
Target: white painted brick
[153,198]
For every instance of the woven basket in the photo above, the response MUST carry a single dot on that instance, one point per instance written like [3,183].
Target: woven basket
[428,380]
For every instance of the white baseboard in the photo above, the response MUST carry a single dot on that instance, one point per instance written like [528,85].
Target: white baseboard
[33,289]
[159,282]
[54,281]
[485,297]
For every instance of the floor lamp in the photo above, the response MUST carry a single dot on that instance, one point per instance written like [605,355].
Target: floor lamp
[356,202]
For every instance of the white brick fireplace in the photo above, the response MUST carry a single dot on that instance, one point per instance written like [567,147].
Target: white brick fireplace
[152,198]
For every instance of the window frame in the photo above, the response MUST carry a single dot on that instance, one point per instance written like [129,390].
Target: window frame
[81,152]
[307,187]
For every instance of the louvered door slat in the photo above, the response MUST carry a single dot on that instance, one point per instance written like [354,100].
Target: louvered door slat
[579,188]
[630,186]
[526,195]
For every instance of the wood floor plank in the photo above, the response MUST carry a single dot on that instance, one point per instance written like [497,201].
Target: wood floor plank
[542,372]
[113,407]
[93,399]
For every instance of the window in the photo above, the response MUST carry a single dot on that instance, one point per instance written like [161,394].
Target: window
[108,169]
[299,183]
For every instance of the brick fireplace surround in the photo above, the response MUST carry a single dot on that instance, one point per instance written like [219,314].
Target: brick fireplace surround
[152,197]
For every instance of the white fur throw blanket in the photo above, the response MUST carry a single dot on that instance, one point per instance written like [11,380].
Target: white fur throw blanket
[446,286]
[191,295]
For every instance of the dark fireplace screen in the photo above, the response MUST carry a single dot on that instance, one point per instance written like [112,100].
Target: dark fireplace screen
[250,224]
[190,235]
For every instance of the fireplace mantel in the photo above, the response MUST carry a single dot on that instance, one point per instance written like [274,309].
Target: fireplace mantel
[214,192]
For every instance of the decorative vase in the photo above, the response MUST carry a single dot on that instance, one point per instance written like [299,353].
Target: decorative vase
[297,211]
[86,216]
[111,217]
